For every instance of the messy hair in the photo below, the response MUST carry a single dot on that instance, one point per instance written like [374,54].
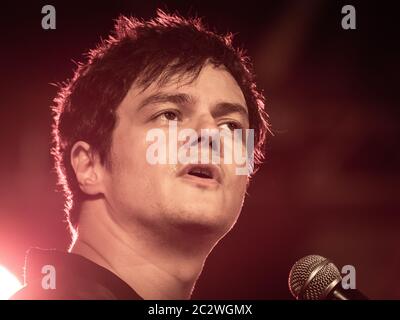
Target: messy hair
[140,52]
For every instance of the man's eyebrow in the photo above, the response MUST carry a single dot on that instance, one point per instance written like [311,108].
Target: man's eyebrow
[224,108]
[179,99]
[219,110]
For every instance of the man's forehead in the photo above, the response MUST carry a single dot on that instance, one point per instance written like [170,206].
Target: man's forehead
[210,80]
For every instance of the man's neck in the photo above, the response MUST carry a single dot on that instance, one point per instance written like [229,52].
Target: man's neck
[154,267]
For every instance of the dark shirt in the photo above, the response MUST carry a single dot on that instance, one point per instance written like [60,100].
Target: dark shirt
[74,278]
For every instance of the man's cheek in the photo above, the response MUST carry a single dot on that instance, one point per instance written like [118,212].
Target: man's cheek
[240,183]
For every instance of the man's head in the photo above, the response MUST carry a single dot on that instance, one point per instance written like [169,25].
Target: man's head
[146,75]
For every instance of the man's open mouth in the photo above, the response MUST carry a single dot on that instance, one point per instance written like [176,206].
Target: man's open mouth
[203,171]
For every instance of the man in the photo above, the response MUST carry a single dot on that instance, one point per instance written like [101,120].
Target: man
[143,230]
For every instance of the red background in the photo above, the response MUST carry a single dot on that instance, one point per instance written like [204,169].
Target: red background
[330,184]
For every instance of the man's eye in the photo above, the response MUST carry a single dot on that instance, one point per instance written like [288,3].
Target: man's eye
[232,125]
[168,116]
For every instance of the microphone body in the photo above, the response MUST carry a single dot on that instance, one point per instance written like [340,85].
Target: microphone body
[339,293]
[316,278]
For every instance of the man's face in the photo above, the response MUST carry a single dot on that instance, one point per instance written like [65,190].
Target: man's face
[166,197]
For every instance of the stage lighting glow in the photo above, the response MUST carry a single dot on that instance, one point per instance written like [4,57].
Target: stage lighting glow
[9,284]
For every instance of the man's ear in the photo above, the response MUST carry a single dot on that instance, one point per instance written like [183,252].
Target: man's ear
[88,169]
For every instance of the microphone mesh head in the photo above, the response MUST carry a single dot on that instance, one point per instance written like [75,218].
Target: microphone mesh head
[301,273]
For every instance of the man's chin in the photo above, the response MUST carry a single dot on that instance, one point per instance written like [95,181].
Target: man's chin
[204,222]
[199,197]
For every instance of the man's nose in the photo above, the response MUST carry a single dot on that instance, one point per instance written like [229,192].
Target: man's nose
[204,121]
[208,133]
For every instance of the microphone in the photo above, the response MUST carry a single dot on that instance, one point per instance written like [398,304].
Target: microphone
[316,278]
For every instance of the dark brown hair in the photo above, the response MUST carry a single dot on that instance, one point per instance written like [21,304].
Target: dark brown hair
[140,52]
